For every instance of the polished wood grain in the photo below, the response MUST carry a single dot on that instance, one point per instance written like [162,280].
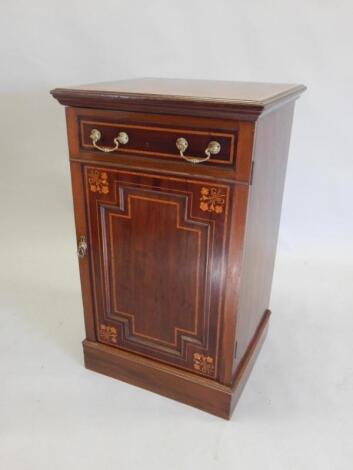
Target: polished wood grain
[158,141]
[152,140]
[241,100]
[156,244]
[186,387]
[208,90]
[249,93]
[178,384]
[265,200]
[177,279]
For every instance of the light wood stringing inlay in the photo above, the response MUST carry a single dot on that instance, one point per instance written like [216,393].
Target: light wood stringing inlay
[193,217]
[178,227]
[122,126]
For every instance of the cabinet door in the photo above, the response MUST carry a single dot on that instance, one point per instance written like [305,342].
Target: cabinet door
[157,252]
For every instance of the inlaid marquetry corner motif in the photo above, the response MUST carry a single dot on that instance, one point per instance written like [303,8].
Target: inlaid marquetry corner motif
[212,200]
[203,364]
[108,334]
[98,182]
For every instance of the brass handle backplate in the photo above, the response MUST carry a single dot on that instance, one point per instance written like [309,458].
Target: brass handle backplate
[213,148]
[95,136]
[82,247]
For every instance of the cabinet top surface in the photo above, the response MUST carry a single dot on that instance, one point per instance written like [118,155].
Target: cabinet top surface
[243,93]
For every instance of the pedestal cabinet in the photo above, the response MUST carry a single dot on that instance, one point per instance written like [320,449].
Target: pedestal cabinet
[177,188]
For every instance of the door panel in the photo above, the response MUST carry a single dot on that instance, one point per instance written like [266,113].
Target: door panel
[157,255]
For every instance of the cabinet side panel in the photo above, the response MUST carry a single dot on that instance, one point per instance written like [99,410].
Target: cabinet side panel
[235,252]
[272,136]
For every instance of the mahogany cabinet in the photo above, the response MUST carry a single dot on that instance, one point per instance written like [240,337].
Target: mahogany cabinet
[177,188]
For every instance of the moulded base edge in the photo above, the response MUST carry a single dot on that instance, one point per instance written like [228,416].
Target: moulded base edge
[186,387]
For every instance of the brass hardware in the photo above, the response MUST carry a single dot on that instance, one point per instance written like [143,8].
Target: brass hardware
[95,136]
[82,247]
[181,144]
[213,148]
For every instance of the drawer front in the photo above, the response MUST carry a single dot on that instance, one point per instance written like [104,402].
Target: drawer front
[157,254]
[155,136]
[159,141]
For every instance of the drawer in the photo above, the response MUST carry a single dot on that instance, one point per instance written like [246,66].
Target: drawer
[168,138]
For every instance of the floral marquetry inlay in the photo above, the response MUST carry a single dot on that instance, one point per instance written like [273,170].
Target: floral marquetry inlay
[212,200]
[108,333]
[203,364]
[98,182]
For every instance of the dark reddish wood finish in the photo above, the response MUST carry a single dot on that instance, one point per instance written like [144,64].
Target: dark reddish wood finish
[195,390]
[153,140]
[146,150]
[265,202]
[224,99]
[177,278]
[154,255]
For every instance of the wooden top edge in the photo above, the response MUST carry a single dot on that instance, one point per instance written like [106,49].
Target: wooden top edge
[244,94]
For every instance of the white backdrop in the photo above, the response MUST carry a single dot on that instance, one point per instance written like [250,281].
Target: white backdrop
[297,410]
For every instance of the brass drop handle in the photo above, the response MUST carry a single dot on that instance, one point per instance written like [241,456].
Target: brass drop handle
[95,136]
[82,247]
[213,148]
